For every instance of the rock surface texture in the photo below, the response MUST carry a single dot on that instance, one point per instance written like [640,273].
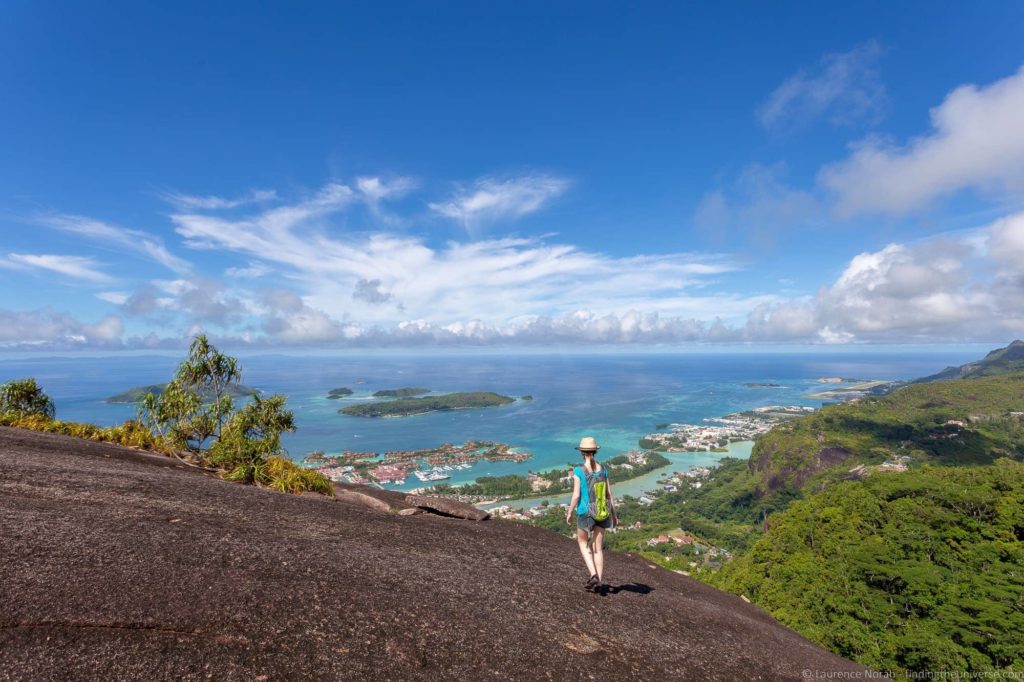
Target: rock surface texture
[121,565]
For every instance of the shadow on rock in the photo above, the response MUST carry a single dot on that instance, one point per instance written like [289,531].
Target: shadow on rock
[638,588]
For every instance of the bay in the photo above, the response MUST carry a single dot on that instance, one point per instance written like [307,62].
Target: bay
[615,397]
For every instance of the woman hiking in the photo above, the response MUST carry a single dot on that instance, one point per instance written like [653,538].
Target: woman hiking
[595,509]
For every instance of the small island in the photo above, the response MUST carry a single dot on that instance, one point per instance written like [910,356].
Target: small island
[526,397]
[758,384]
[409,392]
[139,393]
[336,393]
[407,407]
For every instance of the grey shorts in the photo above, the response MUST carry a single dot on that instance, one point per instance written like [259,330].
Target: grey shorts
[586,523]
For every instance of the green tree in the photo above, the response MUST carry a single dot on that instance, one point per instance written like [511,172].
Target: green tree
[196,412]
[23,397]
[195,405]
[250,436]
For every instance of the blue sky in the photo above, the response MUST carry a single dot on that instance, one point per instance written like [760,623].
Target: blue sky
[511,174]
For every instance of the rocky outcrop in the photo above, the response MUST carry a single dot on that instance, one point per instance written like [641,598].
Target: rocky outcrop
[440,505]
[119,565]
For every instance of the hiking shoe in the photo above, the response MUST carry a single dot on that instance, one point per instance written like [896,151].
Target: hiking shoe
[592,582]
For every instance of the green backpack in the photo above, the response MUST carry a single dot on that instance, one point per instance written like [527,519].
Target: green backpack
[597,487]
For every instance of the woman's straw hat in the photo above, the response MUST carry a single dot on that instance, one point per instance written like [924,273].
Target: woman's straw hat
[588,443]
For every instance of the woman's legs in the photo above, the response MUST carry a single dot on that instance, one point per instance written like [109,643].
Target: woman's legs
[597,547]
[581,538]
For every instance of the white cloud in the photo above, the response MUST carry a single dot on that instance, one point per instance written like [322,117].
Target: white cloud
[845,88]
[199,300]
[369,290]
[115,297]
[259,234]
[902,291]
[376,190]
[947,288]
[497,279]
[490,200]
[49,329]
[253,270]
[210,203]
[958,287]
[976,142]
[1006,245]
[131,240]
[145,301]
[395,289]
[290,321]
[78,267]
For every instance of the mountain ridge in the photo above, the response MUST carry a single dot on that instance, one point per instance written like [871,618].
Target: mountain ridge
[999,361]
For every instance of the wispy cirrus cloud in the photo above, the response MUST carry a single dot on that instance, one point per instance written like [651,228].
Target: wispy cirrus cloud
[253,270]
[257,234]
[490,200]
[961,286]
[137,241]
[348,275]
[78,267]
[212,202]
[376,190]
[844,88]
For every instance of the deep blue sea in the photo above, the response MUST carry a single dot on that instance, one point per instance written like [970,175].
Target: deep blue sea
[615,397]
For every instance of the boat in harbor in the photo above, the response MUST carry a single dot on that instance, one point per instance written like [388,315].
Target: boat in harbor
[431,475]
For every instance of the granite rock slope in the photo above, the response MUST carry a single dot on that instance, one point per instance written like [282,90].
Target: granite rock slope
[122,565]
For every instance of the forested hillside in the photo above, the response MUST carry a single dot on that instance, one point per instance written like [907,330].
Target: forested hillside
[969,421]
[922,570]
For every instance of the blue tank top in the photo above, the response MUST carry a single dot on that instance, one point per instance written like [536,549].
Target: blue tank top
[584,504]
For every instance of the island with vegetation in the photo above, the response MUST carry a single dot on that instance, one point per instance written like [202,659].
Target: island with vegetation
[407,407]
[336,393]
[405,392]
[139,393]
[759,384]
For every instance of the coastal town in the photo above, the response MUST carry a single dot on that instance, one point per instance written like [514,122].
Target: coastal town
[677,549]
[715,433]
[427,465]
[556,481]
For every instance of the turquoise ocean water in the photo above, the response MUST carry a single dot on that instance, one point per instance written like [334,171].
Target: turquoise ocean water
[615,397]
